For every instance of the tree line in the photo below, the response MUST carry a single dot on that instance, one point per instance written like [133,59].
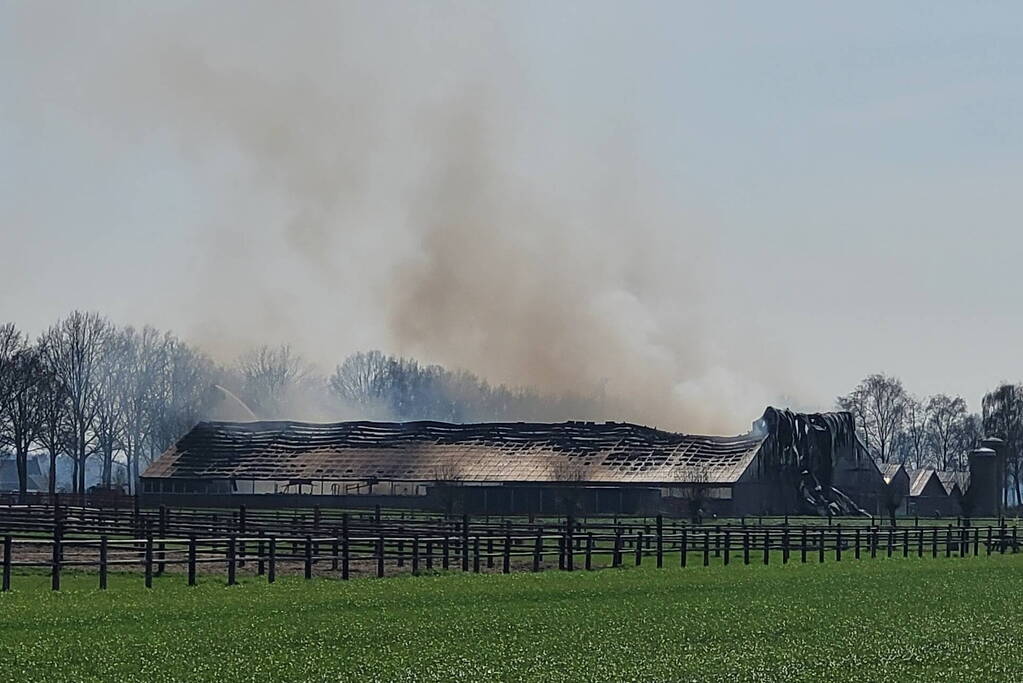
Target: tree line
[938,431]
[87,389]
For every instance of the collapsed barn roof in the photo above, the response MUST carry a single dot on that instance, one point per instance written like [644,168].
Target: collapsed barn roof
[584,452]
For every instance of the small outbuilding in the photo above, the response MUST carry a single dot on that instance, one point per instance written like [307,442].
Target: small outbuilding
[928,496]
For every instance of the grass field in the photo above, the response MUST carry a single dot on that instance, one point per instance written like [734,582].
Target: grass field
[915,619]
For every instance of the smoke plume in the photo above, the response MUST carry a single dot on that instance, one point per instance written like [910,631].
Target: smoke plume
[405,177]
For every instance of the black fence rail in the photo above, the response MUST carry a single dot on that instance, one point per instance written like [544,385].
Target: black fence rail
[133,521]
[380,547]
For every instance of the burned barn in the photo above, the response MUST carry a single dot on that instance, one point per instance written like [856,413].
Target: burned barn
[789,463]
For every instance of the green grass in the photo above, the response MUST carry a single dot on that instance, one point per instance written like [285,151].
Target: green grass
[915,619]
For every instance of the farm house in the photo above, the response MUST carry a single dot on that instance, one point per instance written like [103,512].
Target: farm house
[788,463]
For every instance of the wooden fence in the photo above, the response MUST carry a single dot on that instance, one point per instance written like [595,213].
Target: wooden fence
[344,544]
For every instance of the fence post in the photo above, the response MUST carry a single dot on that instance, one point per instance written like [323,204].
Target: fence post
[345,547]
[838,543]
[784,542]
[232,558]
[148,560]
[683,548]
[857,554]
[706,548]
[948,541]
[415,554]
[728,548]
[934,542]
[569,543]
[820,547]
[465,543]
[260,555]
[55,565]
[136,513]
[509,543]
[920,543]
[891,542]
[102,562]
[6,586]
[191,560]
[1015,544]
[639,548]
[767,546]
[905,542]
[802,544]
[335,551]
[537,549]
[162,548]
[271,574]
[380,555]
[242,531]
[589,551]
[745,545]
[445,551]
[429,554]
[660,541]
[476,554]
[307,567]
[976,541]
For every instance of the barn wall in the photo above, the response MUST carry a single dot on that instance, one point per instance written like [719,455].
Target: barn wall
[283,500]
[557,500]
[475,500]
[928,506]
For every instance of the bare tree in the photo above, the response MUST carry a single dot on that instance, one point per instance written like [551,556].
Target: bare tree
[968,438]
[182,393]
[74,348]
[54,434]
[916,446]
[945,426]
[269,374]
[143,362]
[380,386]
[362,381]
[109,425]
[881,403]
[856,404]
[20,375]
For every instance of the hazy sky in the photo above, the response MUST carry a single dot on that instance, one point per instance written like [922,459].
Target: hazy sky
[703,207]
